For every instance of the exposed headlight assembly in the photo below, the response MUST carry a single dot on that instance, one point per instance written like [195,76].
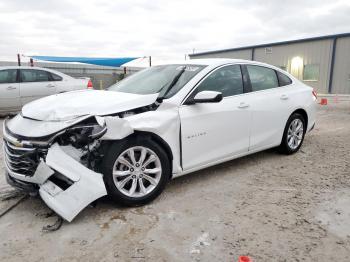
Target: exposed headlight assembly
[80,135]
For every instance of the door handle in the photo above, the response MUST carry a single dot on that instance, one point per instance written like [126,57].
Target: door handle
[11,88]
[284,97]
[50,85]
[243,105]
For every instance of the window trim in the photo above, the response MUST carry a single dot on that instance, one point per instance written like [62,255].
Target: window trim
[189,94]
[247,85]
[21,81]
[247,89]
[18,78]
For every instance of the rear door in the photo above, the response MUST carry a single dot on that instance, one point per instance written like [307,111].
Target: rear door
[62,84]
[9,91]
[34,84]
[270,104]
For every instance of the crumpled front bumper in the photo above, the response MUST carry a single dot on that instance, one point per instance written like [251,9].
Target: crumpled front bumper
[20,185]
[84,185]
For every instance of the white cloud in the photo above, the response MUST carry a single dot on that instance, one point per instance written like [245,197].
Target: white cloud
[162,29]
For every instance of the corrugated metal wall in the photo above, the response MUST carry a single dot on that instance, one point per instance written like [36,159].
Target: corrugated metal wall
[316,52]
[241,54]
[341,76]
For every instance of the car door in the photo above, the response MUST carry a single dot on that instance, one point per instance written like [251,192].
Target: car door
[9,91]
[34,84]
[270,105]
[62,85]
[211,132]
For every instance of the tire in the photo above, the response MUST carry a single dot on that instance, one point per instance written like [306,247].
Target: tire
[291,148]
[114,160]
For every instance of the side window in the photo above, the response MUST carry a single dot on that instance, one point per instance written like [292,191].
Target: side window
[32,75]
[283,79]
[227,80]
[8,76]
[262,78]
[56,77]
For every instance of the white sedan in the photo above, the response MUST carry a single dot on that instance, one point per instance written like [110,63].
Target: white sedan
[22,84]
[158,124]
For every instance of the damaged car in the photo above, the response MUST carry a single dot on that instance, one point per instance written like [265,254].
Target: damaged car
[160,123]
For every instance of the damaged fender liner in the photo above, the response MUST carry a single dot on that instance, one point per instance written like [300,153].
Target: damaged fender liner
[87,185]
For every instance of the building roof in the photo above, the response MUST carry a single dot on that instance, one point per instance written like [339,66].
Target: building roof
[274,44]
[204,61]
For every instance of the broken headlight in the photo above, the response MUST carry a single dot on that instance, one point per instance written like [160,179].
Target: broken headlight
[81,135]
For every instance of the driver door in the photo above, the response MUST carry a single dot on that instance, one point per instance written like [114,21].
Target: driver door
[213,132]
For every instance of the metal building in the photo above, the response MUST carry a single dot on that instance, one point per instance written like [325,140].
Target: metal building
[321,62]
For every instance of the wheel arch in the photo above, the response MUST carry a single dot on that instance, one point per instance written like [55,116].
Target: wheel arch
[118,145]
[300,111]
[156,138]
[304,114]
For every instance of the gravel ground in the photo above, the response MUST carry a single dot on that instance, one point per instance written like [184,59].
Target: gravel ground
[268,206]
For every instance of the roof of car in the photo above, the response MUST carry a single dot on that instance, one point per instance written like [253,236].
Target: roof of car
[22,67]
[35,67]
[212,61]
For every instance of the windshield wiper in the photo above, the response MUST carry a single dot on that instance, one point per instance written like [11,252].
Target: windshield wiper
[173,82]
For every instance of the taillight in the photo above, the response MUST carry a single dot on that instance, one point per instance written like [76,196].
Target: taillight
[314,93]
[89,85]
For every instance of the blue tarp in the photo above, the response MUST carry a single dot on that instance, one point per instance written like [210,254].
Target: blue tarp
[115,62]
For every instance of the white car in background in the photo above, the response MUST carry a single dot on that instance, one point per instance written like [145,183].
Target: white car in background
[21,84]
[158,124]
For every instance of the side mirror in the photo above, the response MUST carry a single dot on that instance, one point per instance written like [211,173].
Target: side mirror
[206,97]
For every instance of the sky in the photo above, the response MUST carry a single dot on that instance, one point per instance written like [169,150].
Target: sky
[165,30]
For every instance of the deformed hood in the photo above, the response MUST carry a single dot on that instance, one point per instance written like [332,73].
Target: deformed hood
[73,104]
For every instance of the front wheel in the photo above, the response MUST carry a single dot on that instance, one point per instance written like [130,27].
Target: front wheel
[293,135]
[135,171]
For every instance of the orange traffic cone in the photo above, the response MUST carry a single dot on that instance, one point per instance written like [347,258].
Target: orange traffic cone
[244,259]
[324,101]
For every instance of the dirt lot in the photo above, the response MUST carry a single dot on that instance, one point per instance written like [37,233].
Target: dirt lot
[268,206]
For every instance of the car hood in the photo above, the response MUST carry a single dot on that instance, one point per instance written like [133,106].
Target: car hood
[70,105]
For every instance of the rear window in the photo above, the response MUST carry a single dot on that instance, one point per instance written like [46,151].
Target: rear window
[56,77]
[283,79]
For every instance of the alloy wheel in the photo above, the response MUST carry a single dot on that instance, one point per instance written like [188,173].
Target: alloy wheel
[137,171]
[295,133]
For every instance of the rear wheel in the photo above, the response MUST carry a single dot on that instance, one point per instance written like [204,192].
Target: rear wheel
[293,135]
[135,171]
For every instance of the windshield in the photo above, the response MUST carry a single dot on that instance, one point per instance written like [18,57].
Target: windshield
[158,79]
